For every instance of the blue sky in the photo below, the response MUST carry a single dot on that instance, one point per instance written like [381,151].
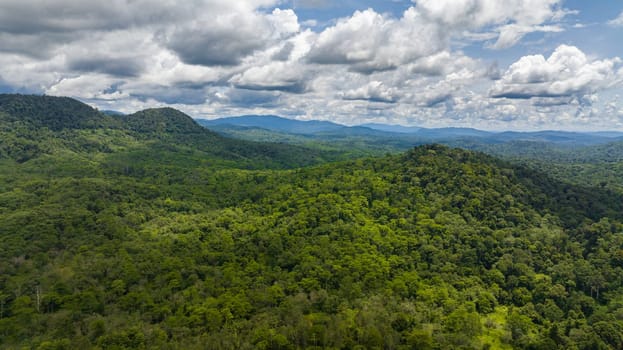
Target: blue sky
[489,64]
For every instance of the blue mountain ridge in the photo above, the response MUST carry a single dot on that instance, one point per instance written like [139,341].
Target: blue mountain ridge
[318,127]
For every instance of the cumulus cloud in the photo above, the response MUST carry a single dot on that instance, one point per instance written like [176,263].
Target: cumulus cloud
[227,38]
[369,41]
[511,19]
[374,91]
[442,63]
[216,57]
[567,72]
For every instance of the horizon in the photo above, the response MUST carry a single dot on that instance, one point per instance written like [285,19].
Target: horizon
[526,66]
[413,126]
[592,131]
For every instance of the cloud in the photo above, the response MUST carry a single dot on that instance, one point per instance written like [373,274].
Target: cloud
[277,76]
[89,86]
[510,34]
[617,22]
[225,39]
[567,72]
[426,65]
[251,98]
[511,19]
[36,16]
[442,63]
[35,46]
[369,41]
[121,67]
[375,91]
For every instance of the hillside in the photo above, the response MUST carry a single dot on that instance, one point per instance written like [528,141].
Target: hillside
[436,248]
[36,126]
[592,159]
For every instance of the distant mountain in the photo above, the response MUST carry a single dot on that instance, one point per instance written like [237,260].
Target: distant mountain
[376,139]
[392,128]
[451,133]
[275,123]
[613,134]
[558,137]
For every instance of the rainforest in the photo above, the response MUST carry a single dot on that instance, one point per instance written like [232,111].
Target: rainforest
[149,231]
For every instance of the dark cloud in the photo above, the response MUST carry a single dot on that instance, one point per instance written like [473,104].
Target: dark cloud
[118,67]
[63,16]
[38,46]
[437,100]
[214,47]
[250,98]
[528,94]
[226,39]
[296,87]
[371,99]
[284,53]
[169,95]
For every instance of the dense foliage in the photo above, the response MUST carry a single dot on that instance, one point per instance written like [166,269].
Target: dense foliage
[582,159]
[154,237]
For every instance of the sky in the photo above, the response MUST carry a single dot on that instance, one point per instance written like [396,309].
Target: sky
[487,64]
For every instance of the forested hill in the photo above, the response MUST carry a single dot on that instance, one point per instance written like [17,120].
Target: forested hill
[54,113]
[34,126]
[131,236]
[163,120]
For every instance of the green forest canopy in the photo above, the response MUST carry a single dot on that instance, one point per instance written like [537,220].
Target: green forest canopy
[126,233]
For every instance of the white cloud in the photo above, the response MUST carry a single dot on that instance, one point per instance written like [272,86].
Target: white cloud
[567,72]
[617,22]
[221,57]
[369,41]
[442,63]
[510,34]
[89,86]
[374,91]
[511,19]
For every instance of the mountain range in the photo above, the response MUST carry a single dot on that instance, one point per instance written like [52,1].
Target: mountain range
[327,129]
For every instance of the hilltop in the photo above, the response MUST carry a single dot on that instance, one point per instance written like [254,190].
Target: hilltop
[32,126]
